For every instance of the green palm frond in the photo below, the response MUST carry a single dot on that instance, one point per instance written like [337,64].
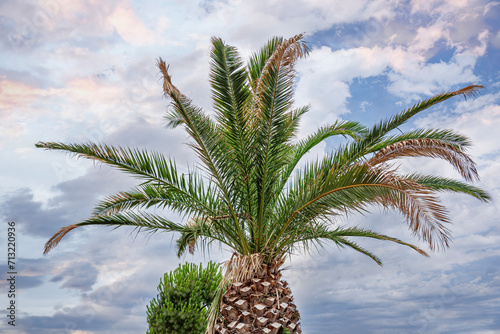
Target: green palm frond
[259,59]
[148,166]
[444,184]
[208,143]
[356,150]
[274,93]
[231,95]
[188,199]
[141,221]
[399,119]
[318,232]
[349,129]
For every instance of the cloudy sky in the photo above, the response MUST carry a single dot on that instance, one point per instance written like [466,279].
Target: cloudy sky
[82,70]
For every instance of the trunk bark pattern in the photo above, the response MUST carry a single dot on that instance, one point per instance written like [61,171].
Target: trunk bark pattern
[260,305]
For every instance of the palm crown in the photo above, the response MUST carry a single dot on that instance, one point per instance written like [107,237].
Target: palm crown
[248,193]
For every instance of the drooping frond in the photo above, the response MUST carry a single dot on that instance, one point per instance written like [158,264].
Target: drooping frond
[204,230]
[238,268]
[148,166]
[198,125]
[141,220]
[431,148]
[317,232]
[358,232]
[56,238]
[469,91]
[259,59]
[446,136]
[426,217]
[322,192]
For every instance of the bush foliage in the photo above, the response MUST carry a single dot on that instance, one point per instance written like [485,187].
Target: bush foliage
[183,300]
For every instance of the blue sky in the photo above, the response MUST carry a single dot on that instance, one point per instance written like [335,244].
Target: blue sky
[75,71]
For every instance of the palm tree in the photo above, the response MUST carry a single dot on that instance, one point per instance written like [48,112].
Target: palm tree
[250,194]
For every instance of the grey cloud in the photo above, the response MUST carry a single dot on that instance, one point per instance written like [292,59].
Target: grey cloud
[74,203]
[466,302]
[32,218]
[123,294]
[63,322]
[28,282]
[78,275]
[24,24]
[31,272]
[23,281]
[36,77]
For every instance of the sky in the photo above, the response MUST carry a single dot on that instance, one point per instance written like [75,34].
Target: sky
[83,70]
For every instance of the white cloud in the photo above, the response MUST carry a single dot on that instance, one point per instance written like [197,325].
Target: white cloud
[477,118]
[325,77]
[252,22]
[131,28]
[419,77]
[495,41]
[443,7]
[426,37]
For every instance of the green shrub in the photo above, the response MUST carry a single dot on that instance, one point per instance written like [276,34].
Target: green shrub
[184,297]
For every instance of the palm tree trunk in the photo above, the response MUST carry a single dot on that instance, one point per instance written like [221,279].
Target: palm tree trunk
[262,304]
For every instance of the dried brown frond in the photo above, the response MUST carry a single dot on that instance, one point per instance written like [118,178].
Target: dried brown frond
[294,49]
[196,221]
[243,267]
[425,215]
[56,238]
[168,87]
[469,91]
[419,250]
[192,245]
[431,148]
[285,56]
